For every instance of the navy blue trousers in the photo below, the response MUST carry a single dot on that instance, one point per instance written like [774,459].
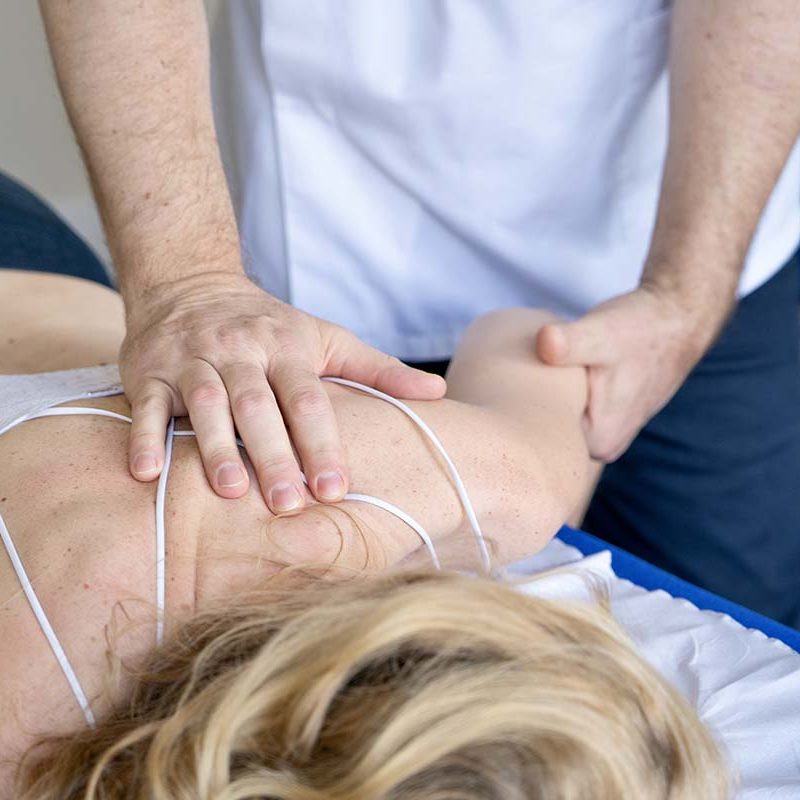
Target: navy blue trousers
[709,490]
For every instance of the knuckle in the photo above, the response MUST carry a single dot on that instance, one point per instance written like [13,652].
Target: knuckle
[151,401]
[307,402]
[144,440]
[393,361]
[217,456]
[207,394]
[250,403]
[265,330]
[605,451]
[272,467]
[285,349]
[235,338]
[322,460]
[603,456]
[384,359]
[204,344]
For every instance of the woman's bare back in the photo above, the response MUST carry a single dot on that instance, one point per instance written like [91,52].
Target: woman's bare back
[85,528]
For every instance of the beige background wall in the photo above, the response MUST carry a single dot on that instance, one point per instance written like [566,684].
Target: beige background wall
[36,144]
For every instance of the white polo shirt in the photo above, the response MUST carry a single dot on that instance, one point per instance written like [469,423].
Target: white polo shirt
[402,167]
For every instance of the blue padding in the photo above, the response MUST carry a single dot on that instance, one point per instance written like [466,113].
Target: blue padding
[649,577]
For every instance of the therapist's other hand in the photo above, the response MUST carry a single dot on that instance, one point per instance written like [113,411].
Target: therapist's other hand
[638,349]
[223,351]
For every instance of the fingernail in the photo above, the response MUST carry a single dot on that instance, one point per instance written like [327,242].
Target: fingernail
[285,497]
[145,463]
[330,486]
[230,475]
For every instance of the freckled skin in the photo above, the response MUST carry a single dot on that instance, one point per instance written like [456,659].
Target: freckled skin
[510,424]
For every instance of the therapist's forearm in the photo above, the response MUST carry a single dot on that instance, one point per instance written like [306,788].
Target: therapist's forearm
[134,77]
[735,113]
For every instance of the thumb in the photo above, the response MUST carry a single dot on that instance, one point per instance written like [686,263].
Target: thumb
[578,343]
[359,362]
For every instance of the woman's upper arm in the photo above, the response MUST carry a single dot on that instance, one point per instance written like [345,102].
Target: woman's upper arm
[511,426]
[496,366]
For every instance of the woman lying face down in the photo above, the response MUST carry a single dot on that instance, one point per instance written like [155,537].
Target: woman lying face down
[317,655]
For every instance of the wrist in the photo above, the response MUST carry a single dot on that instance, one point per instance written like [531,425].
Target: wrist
[695,292]
[153,258]
[698,309]
[697,279]
[142,297]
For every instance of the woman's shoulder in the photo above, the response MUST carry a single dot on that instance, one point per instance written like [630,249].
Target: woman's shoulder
[41,287]
[53,322]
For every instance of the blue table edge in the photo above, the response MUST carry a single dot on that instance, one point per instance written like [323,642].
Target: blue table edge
[647,576]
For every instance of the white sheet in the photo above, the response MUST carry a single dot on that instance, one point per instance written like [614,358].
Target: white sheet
[744,685]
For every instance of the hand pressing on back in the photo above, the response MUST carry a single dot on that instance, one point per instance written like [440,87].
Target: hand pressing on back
[220,349]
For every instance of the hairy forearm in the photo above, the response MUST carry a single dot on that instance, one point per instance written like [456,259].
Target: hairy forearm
[735,113]
[134,77]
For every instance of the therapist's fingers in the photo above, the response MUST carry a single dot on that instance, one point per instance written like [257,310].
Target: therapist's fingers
[601,437]
[309,415]
[610,422]
[151,408]
[263,431]
[206,400]
[356,361]
[578,343]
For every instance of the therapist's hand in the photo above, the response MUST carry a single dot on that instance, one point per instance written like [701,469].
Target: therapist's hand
[729,139]
[638,349]
[217,347]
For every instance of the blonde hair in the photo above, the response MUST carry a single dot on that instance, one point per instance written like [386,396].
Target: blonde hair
[415,686]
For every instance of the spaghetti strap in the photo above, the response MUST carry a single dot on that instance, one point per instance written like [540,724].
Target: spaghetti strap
[466,503]
[44,624]
[160,536]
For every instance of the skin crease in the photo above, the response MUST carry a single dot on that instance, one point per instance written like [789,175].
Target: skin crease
[85,528]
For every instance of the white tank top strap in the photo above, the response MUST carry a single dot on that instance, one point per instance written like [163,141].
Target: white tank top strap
[472,517]
[44,624]
[160,543]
